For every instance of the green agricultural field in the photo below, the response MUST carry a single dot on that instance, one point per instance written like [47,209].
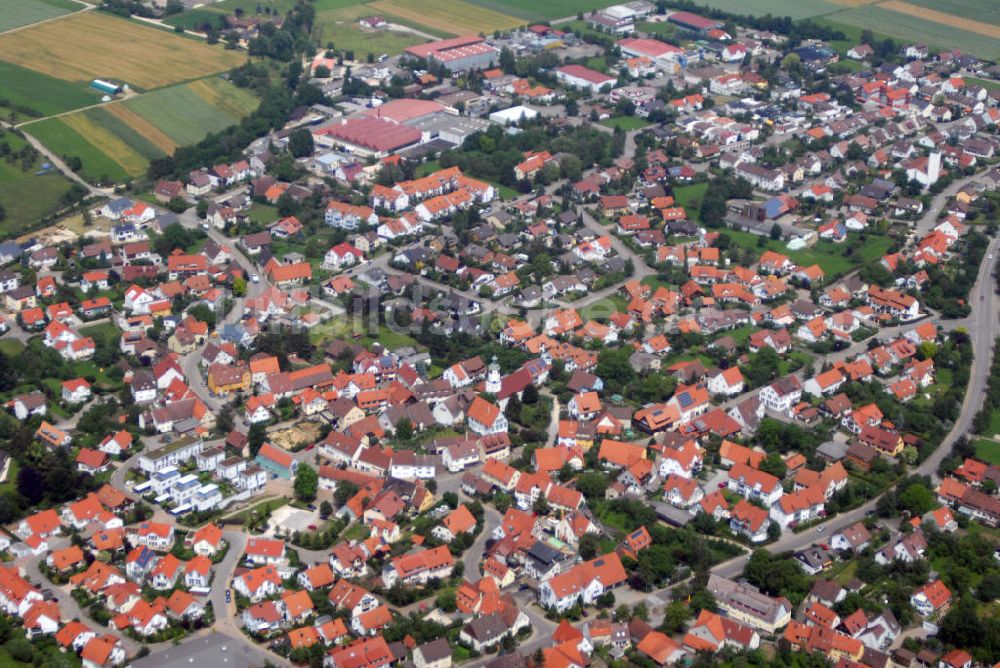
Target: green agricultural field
[44,95]
[196,19]
[796,9]
[17,13]
[906,28]
[27,196]
[59,137]
[535,11]
[119,139]
[87,45]
[103,118]
[186,116]
[976,10]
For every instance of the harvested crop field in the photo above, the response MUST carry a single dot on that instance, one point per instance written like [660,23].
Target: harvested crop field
[455,17]
[89,45]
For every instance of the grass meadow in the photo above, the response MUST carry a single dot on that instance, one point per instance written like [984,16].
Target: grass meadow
[27,196]
[456,17]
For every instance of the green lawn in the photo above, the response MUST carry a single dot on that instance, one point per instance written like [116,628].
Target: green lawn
[356,532]
[626,123]
[64,140]
[994,420]
[429,167]
[262,507]
[505,192]
[580,28]
[389,339]
[263,213]
[987,451]
[690,198]
[600,310]
[799,357]
[17,13]
[42,94]
[833,258]
[104,331]
[11,482]
[11,347]
[662,30]
[741,334]
[656,282]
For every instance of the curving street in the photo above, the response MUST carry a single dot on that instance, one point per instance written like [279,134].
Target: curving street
[982,326]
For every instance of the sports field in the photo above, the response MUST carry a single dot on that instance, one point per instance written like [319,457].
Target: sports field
[456,17]
[43,95]
[94,44]
[117,140]
[17,13]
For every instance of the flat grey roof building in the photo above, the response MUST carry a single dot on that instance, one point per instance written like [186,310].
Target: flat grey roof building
[215,650]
